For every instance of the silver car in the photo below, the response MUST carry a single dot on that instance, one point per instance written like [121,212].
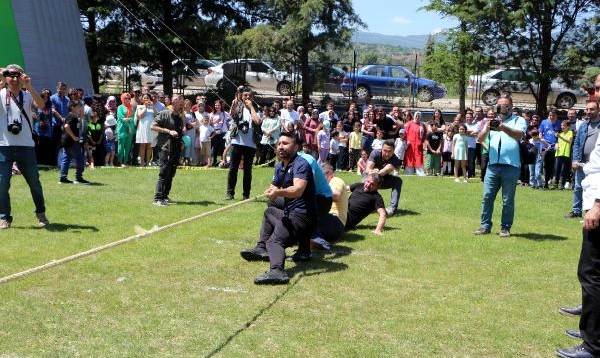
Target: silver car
[258,74]
[491,85]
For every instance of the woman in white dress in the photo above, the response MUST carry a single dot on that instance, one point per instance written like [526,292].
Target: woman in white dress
[144,116]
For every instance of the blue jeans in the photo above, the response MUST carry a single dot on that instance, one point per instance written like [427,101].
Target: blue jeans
[499,176]
[535,173]
[577,191]
[66,154]
[26,160]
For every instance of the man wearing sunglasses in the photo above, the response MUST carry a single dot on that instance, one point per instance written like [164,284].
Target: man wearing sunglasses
[16,141]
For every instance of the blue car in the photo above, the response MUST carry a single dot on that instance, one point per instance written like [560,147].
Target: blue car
[390,80]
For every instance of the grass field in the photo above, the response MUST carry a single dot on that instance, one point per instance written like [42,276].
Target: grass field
[426,288]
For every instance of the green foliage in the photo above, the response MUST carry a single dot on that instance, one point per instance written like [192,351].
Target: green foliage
[427,287]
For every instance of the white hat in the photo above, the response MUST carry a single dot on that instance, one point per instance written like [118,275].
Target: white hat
[110,120]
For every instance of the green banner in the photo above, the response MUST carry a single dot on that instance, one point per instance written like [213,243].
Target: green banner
[11,45]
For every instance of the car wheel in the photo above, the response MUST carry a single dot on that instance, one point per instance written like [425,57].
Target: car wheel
[565,100]
[490,97]
[362,92]
[284,88]
[425,94]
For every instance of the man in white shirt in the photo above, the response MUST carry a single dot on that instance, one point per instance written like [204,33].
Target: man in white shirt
[288,115]
[16,141]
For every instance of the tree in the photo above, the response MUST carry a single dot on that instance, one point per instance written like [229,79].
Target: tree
[156,32]
[294,30]
[531,35]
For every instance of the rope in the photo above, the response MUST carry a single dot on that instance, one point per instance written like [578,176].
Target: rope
[111,245]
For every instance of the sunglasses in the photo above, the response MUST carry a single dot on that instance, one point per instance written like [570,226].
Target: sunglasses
[12,74]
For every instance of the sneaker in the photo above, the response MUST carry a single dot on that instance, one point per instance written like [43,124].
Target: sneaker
[300,256]
[228,197]
[272,277]
[482,231]
[42,219]
[567,186]
[456,180]
[81,181]
[64,181]
[4,224]
[504,233]
[321,243]
[390,211]
[255,254]
[572,215]
[160,202]
[245,197]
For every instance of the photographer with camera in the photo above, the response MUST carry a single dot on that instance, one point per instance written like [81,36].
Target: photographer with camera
[503,133]
[244,119]
[16,141]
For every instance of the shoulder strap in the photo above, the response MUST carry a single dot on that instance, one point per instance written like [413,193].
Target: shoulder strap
[20,105]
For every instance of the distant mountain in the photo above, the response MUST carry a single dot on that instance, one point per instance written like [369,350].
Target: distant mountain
[413,41]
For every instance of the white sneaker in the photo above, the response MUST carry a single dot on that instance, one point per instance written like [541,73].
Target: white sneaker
[466,181]
[324,243]
[567,186]
[456,180]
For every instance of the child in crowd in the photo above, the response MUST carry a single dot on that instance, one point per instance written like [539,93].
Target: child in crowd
[334,148]
[355,146]
[71,145]
[323,138]
[448,163]
[377,143]
[93,138]
[434,150]
[562,166]
[342,162]
[459,152]
[362,162]
[109,146]
[400,149]
[205,134]
[535,169]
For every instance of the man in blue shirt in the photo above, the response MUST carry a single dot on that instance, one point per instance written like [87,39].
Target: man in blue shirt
[293,181]
[549,130]
[503,133]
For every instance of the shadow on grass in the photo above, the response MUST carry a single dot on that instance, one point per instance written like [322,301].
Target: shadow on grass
[202,202]
[538,237]
[58,227]
[402,212]
[250,322]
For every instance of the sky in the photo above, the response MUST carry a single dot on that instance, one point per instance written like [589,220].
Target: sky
[400,17]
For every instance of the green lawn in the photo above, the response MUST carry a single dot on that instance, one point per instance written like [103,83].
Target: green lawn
[426,288]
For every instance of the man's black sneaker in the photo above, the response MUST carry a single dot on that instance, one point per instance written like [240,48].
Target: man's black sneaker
[81,181]
[64,181]
[571,311]
[482,231]
[228,197]
[160,202]
[255,254]
[300,256]
[574,333]
[572,215]
[272,277]
[245,197]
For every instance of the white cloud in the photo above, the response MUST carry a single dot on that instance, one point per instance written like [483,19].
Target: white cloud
[437,30]
[401,20]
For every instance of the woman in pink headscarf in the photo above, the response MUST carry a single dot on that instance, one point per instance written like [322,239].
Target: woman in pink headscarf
[125,128]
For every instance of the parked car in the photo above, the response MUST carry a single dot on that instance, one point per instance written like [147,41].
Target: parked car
[327,78]
[390,80]
[187,73]
[258,74]
[112,76]
[491,85]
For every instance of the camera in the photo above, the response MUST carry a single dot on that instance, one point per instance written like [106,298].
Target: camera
[15,127]
[494,124]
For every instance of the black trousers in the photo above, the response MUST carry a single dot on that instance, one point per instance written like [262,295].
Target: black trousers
[589,277]
[549,166]
[329,227]
[247,154]
[168,161]
[279,231]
